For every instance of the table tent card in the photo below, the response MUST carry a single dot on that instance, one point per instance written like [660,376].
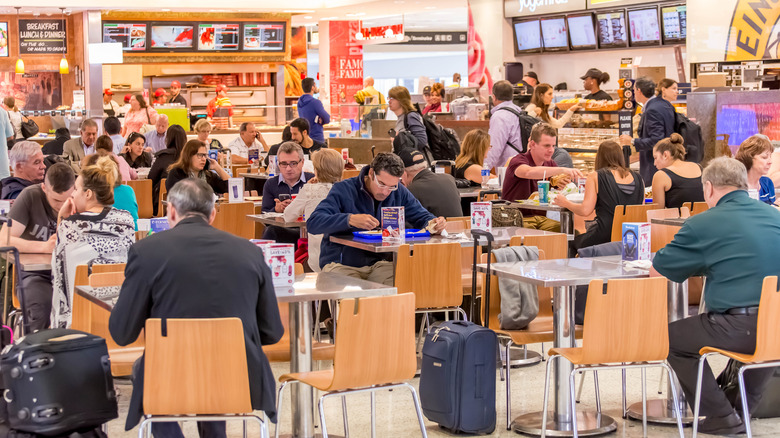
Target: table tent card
[636,241]
[393,224]
[481,216]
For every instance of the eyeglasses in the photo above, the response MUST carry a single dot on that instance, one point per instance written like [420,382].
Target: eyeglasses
[383,186]
[288,164]
[201,155]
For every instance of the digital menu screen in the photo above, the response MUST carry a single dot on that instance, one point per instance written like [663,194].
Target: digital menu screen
[528,36]
[675,23]
[172,36]
[3,39]
[643,27]
[581,31]
[264,37]
[612,29]
[131,35]
[554,34]
[218,36]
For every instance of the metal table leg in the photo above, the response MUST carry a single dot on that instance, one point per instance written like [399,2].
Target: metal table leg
[662,410]
[560,422]
[300,362]
[567,222]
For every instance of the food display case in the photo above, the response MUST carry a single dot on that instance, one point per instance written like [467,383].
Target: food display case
[584,133]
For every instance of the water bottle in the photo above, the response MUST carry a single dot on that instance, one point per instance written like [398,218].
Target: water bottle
[346,128]
[485,177]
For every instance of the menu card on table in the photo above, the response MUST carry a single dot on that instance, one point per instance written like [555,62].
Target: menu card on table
[636,241]
[481,216]
[393,224]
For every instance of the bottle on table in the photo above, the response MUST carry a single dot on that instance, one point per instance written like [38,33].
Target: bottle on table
[485,176]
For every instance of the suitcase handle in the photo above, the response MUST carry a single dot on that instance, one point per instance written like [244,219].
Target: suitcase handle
[477,234]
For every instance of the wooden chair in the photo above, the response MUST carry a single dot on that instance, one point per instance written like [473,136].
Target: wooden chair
[143,194]
[280,351]
[196,369]
[237,170]
[660,234]
[162,197]
[698,207]
[629,213]
[628,327]
[363,364]
[767,353]
[447,165]
[457,225]
[232,218]
[349,173]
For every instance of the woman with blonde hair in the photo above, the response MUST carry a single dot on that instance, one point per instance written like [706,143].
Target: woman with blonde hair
[328,167]
[89,231]
[540,107]
[400,103]
[473,150]
[677,181]
[756,154]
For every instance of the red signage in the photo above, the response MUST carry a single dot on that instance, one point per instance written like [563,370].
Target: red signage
[346,67]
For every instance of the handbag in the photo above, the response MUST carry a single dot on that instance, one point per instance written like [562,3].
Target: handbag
[148,126]
[505,216]
[462,183]
[29,127]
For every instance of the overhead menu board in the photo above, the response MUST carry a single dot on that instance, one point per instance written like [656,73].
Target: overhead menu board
[218,36]
[172,36]
[264,37]
[674,23]
[581,31]
[612,29]
[528,36]
[554,34]
[643,27]
[131,35]
[37,37]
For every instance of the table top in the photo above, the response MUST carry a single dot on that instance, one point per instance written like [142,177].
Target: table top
[565,272]
[33,262]
[307,287]
[473,192]
[536,206]
[255,175]
[275,220]
[674,221]
[501,237]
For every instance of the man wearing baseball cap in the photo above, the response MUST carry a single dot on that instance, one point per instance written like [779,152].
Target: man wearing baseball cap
[436,192]
[110,108]
[222,103]
[176,96]
[159,96]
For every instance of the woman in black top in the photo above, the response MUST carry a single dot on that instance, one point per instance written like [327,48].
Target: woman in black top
[610,185]
[468,164]
[175,139]
[192,164]
[134,153]
[677,181]
[592,82]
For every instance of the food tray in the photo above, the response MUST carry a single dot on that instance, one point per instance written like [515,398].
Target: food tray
[377,234]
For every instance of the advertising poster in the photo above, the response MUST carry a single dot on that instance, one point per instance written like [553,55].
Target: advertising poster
[295,71]
[41,36]
[33,91]
[3,39]
[346,67]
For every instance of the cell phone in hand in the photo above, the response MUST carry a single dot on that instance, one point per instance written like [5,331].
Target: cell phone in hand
[284,197]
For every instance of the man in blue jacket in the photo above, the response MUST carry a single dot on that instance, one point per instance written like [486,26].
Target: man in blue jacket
[657,123]
[356,204]
[735,244]
[312,110]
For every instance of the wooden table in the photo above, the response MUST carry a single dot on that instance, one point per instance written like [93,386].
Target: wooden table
[278,221]
[306,289]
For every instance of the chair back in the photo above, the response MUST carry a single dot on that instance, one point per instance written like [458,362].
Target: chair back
[376,343]
[767,342]
[232,218]
[433,273]
[162,197]
[143,195]
[349,173]
[107,279]
[446,165]
[627,324]
[661,235]
[629,213]
[666,213]
[698,207]
[198,366]
[238,170]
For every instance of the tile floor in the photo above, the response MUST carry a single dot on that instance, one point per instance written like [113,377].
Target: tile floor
[396,416]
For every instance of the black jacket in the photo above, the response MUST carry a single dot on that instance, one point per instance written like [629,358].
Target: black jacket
[159,170]
[437,193]
[54,146]
[196,271]
[12,186]
[657,123]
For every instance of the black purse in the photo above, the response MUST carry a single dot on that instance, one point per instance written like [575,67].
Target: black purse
[29,128]
[462,183]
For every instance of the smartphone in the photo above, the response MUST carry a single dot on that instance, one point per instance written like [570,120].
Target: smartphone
[284,197]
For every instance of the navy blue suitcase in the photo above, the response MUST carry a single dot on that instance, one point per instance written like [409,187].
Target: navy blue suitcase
[458,377]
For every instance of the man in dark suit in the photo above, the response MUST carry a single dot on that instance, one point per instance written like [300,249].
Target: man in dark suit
[196,271]
[656,124]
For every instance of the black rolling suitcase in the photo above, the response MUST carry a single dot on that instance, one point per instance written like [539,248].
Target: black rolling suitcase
[57,382]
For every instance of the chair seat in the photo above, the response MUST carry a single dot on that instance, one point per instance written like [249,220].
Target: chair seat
[539,330]
[742,357]
[280,352]
[122,360]
[318,379]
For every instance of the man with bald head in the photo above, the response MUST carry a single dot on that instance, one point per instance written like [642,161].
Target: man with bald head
[155,140]
[369,96]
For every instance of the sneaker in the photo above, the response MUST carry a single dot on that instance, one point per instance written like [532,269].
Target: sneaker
[730,424]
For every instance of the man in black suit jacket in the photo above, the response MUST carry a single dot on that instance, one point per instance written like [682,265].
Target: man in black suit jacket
[196,271]
[656,124]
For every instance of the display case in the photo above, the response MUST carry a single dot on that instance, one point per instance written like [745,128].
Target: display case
[584,133]
[249,103]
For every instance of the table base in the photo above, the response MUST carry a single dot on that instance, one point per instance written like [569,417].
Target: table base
[588,424]
[659,411]
[316,435]
[518,358]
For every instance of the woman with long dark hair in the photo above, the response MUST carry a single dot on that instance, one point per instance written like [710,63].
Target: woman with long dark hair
[175,139]
[192,164]
[140,114]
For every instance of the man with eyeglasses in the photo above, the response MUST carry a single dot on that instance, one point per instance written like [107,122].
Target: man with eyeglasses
[278,191]
[356,204]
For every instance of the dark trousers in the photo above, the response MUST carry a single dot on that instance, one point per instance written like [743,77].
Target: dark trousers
[282,235]
[37,291]
[206,429]
[729,332]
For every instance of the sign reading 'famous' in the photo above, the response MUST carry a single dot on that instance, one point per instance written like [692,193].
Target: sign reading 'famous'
[42,36]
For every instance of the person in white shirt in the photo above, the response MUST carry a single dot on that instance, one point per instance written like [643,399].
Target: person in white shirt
[248,137]
[110,108]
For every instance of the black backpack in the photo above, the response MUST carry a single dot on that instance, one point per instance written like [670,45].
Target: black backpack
[692,138]
[443,143]
[406,140]
[527,123]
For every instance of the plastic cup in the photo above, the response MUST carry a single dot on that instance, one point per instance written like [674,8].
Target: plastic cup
[544,191]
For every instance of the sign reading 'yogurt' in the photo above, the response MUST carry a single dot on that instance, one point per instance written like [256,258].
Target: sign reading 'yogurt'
[519,8]
[42,36]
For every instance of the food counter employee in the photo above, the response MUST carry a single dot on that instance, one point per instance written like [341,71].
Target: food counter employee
[176,96]
[110,108]
[220,102]
[592,82]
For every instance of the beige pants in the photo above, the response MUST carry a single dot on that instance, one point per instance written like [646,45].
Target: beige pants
[542,223]
[379,272]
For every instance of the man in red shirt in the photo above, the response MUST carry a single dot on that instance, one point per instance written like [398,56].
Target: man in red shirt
[526,169]
[221,106]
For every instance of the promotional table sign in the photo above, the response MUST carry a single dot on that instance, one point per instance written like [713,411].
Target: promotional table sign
[636,241]
[393,224]
[235,189]
[158,224]
[253,156]
[5,207]
[280,257]
[481,216]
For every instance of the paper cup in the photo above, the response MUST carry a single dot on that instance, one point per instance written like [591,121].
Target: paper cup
[544,191]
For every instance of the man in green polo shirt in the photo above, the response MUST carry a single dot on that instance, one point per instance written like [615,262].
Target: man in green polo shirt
[735,244]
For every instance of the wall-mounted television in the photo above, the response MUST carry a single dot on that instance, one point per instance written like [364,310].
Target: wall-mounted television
[4,38]
[171,36]
[528,36]
[213,37]
[643,26]
[554,36]
[131,35]
[582,33]
[263,37]
[612,30]
[674,21]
